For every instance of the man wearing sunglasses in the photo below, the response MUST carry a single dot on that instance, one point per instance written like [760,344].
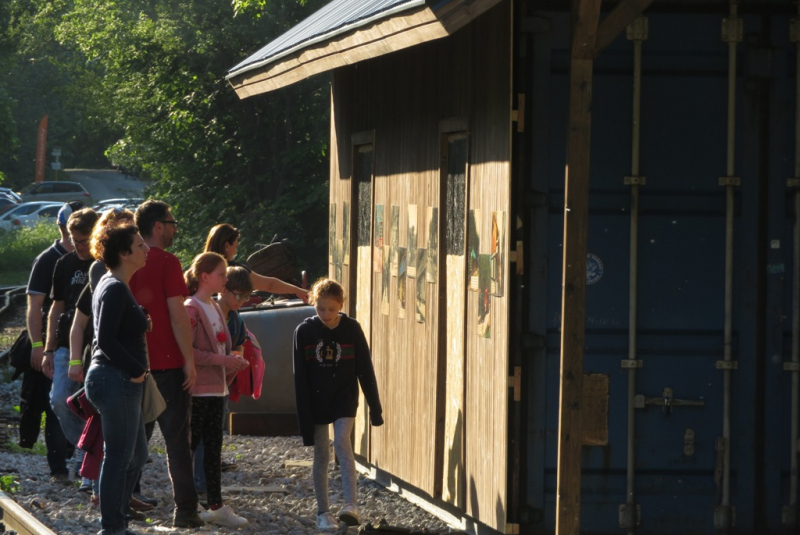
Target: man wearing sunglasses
[69,277]
[160,288]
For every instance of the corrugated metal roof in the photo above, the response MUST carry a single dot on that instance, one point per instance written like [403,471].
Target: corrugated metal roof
[337,17]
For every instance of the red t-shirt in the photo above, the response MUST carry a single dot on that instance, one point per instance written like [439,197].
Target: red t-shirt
[160,279]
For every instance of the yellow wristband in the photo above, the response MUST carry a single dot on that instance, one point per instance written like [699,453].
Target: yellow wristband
[75,363]
[37,344]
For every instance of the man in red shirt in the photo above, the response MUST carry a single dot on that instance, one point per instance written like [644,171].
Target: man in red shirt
[159,287]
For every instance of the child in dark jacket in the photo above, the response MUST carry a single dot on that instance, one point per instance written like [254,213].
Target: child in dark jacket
[331,358]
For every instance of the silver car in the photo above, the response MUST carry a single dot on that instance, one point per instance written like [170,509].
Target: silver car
[56,191]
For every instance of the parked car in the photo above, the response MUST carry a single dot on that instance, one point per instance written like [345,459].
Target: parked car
[6,200]
[28,214]
[56,191]
[128,203]
[11,193]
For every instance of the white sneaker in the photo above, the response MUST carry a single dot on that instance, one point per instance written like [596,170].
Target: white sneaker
[326,522]
[224,516]
[349,515]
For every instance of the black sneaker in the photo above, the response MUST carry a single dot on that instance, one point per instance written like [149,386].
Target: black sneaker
[133,514]
[187,519]
[145,499]
[227,467]
[61,479]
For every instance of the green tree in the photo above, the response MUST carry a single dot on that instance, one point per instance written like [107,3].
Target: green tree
[260,164]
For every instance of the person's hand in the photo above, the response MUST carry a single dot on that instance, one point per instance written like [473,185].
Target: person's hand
[47,365]
[376,419]
[37,354]
[302,294]
[75,373]
[237,363]
[139,379]
[190,376]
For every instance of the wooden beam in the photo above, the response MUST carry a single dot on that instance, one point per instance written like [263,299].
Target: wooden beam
[585,16]
[615,23]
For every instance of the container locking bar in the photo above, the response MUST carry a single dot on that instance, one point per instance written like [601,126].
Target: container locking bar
[667,401]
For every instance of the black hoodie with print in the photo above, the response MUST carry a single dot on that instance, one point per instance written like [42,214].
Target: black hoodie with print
[328,366]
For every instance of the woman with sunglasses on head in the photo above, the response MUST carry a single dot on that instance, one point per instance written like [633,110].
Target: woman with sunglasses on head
[224,239]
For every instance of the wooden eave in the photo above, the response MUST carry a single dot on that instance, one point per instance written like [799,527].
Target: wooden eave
[395,32]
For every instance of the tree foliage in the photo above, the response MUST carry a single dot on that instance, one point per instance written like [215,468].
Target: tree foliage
[142,81]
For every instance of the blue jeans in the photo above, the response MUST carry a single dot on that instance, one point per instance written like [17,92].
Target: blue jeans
[119,402]
[63,387]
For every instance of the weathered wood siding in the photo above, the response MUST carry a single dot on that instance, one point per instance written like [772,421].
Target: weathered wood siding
[445,400]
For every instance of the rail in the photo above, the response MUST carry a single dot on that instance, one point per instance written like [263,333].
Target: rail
[15,517]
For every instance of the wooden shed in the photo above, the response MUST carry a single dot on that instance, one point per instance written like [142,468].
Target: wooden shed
[550,360]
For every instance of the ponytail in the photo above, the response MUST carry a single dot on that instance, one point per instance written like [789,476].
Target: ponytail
[202,263]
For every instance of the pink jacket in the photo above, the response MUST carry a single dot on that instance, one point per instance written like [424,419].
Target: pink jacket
[212,375]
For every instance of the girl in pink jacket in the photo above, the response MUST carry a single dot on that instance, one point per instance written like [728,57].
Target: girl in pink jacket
[216,368]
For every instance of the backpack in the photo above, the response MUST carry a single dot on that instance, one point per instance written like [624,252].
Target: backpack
[248,381]
[275,260]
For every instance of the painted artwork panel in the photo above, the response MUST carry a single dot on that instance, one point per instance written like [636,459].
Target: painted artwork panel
[332,234]
[337,261]
[498,252]
[484,296]
[402,275]
[346,233]
[385,280]
[411,241]
[422,259]
[432,273]
[394,237]
[378,245]
[473,248]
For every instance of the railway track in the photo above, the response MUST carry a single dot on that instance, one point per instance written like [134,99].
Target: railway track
[15,519]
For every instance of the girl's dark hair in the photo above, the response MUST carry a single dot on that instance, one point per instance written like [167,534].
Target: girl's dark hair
[109,242]
[326,287]
[218,236]
[202,263]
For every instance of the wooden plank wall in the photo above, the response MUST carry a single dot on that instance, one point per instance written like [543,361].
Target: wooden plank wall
[404,98]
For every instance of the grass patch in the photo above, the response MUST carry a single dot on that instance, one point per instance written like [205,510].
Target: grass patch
[38,449]
[9,484]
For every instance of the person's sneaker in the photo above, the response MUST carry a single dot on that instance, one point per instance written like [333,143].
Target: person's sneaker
[133,514]
[95,501]
[224,516]
[187,519]
[139,505]
[227,467]
[61,478]
[86,486]
[349,515]
[145,499]
[326,522]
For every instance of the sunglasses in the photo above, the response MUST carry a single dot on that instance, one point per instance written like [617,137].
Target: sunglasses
[169,221]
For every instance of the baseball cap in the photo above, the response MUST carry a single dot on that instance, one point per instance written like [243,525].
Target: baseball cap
[66,211]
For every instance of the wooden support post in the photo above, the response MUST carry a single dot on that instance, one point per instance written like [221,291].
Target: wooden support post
[585,15]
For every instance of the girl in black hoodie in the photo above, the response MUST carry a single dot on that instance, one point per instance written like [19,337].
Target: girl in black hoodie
[331,358]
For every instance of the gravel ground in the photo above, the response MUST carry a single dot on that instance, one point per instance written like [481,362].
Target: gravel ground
[268,488]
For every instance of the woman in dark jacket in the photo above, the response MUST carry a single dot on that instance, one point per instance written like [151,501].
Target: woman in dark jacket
[115,379]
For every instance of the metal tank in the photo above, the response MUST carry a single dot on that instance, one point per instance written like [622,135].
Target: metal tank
[274,413]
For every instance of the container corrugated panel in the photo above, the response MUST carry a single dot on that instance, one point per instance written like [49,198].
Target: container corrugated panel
[681,289]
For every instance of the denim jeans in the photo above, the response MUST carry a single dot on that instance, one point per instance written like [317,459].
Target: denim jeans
[119,402]
[63,387]
[174,423]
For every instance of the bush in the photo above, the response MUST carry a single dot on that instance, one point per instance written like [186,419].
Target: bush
[19,248]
